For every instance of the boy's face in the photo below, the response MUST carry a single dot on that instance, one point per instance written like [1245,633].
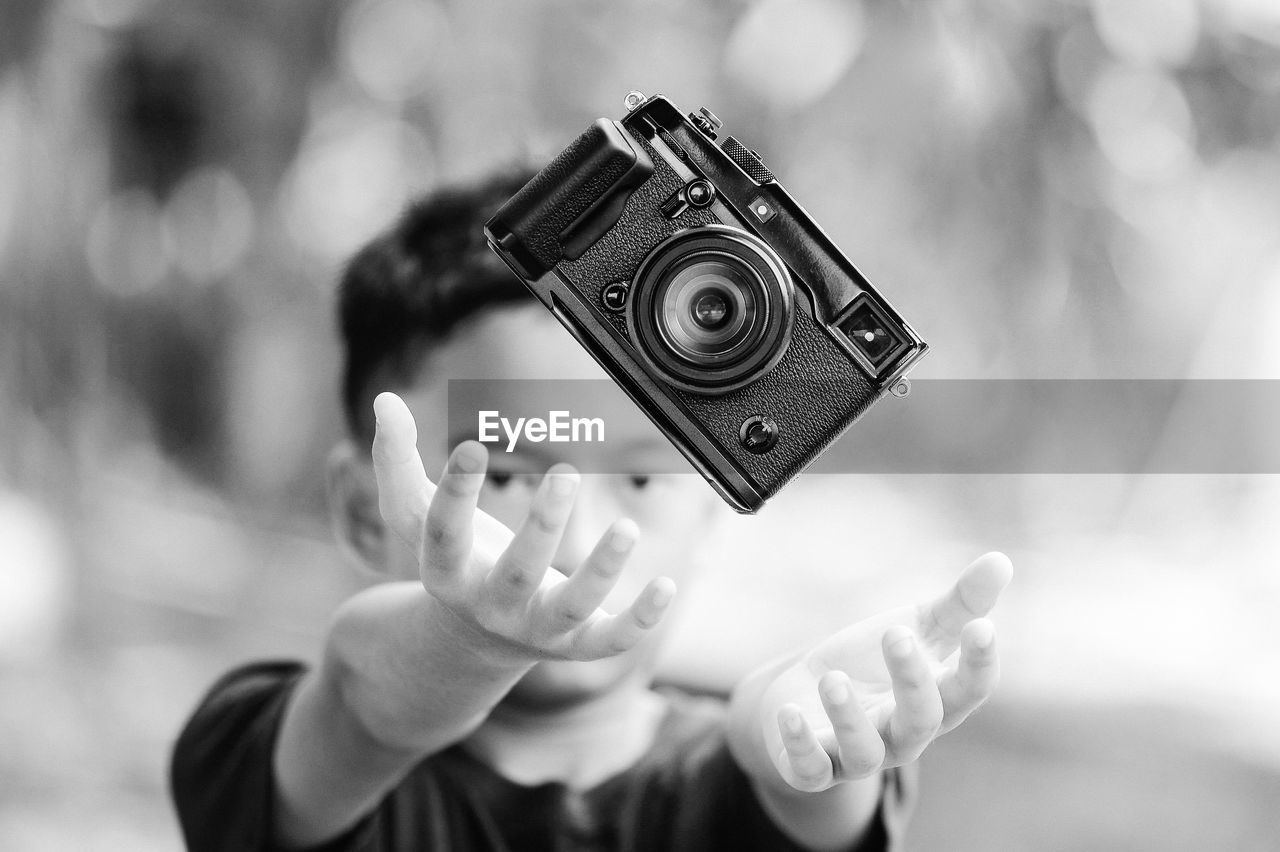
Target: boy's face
[676,512]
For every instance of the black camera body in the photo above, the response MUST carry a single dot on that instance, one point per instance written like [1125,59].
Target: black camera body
[707,293]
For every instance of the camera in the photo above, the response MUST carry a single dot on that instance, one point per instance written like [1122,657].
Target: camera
[707,293]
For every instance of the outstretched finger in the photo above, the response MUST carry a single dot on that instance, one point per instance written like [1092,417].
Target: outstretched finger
[974,678]
[917,712]
[972,596]
[450,519]
[404,492]
[573,601]
[804,763]
[861,751]
[519,570]
[605,635]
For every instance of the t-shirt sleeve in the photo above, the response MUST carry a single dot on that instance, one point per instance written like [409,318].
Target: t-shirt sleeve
[221,773]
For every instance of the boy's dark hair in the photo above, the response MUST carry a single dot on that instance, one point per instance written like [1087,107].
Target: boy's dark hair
[407,289]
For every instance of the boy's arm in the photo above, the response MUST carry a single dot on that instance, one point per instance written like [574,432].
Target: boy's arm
[410,668]
[344,742]
[815,732]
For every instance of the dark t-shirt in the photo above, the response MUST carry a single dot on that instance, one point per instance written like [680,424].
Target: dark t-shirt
[685,793]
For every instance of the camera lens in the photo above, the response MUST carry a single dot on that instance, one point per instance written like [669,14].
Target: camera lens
[706,309]
[712,308]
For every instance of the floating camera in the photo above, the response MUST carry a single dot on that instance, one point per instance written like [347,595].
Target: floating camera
[707,293]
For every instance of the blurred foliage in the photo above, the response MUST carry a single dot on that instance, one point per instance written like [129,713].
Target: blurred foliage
[1054,189]
[1059,188]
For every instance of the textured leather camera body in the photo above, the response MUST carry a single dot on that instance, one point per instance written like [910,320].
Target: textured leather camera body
[707,293]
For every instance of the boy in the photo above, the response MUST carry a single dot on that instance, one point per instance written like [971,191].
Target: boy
[479,700]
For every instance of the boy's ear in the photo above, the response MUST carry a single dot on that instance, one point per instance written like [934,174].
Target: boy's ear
[352,492]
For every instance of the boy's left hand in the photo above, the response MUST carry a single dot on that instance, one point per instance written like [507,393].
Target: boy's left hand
[874,695]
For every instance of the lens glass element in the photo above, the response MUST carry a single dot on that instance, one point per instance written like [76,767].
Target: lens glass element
[711,308]
[708,308]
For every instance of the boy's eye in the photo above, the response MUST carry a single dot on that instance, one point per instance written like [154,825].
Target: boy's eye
[509,480]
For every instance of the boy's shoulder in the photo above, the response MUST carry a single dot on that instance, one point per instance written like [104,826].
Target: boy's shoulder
[220,771]
[251,695]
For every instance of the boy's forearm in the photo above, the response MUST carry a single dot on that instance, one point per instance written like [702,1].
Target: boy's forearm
[416,676]
[830,820]
[398,682]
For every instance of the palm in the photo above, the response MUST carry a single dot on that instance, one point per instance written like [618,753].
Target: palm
[902,686]
[496,580]
[856,651]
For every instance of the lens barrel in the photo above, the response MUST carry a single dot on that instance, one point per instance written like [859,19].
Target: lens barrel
[711,308]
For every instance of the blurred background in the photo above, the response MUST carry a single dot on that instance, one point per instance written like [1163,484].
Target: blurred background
[1058,189]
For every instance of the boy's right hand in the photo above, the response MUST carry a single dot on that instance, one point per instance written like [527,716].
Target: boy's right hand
[497,582]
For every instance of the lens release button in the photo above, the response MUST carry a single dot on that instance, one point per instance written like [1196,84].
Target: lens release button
[614,296]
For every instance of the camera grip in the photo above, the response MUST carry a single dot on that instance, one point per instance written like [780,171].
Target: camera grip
[572,201]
